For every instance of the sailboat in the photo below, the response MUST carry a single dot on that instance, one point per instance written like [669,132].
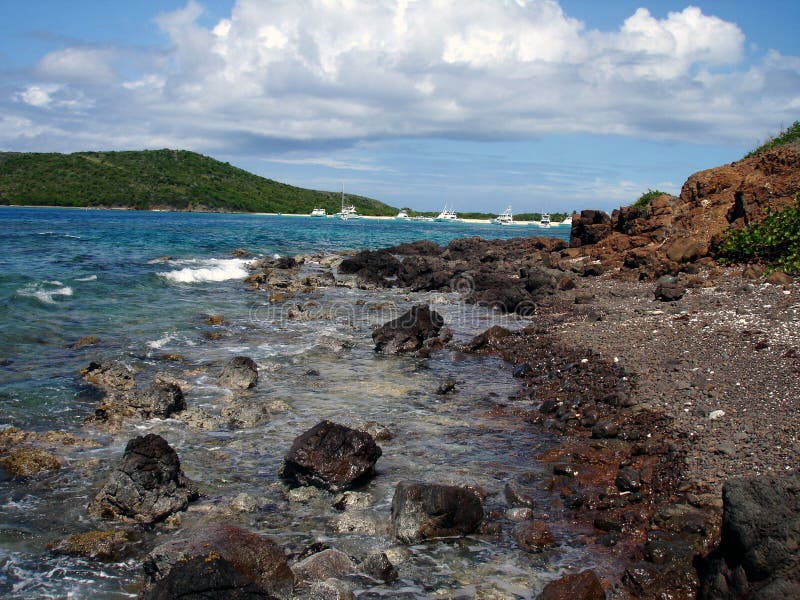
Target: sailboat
[347,212]
[504,218]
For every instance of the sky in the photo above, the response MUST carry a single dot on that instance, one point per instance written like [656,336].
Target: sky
[547,105]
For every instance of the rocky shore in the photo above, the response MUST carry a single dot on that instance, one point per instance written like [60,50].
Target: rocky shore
[664,382]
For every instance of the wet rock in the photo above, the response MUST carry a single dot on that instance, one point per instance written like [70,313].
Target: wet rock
[757,556]
[669,289]
[353,500]
[114,375]
[372,266]
[585,585]
[324,565]
[408,332]
[256,557]
[447,386]
[241,372]
[358,521]
[379,432]
[215,320]
[519,514]
[161,400]
[27,462]
[148,485]
[378,566]
[422,511]
[491,338]
[244,503]
[332,457]
[605,430]
[206,577]
[331,589]
[101,545]
[533,536]
[520,489]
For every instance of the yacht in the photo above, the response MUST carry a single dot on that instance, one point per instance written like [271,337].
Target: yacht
[504,218]
[567,222]
[545,221]
[446,215]
[402,215]
[319,212]
[347,212]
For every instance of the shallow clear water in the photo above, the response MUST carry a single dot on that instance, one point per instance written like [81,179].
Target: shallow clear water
[71,273]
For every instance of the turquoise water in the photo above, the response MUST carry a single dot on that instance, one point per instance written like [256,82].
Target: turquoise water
[143,283]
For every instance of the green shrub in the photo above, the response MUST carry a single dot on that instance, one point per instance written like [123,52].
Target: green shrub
[640,206]
[775,240]
[788,135]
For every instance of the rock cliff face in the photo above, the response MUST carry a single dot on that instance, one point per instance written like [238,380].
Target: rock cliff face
[673,231]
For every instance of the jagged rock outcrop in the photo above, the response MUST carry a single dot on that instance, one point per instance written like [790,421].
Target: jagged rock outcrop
[147,487]
[416,330]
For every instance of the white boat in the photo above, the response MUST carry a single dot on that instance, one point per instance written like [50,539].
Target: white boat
[402,215]
[446,215]
[347,212]
[545,221]
[566,222]
[504,218]
[319,212]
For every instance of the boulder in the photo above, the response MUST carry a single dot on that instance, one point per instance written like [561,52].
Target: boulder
[240,372]
[757,556]
[585,585]
[331,589]
[409,332]
[253,556]
[589,227]
[422,511]
[205,577]
[490,339]
[373,266]
[113,375]
[148,486]
[686,249]
[378,566]
[331,456]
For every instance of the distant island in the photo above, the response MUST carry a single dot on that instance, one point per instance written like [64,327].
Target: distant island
[158,179]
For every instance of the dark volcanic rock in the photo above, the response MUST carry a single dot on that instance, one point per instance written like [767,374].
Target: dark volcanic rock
[148,485]
[241,372]
[757,557]
[581,586]
[533,536]
[422,511]
[331,456]
[161,400]
[374,266]
[409,332]
[206,577]
[378,566]
[255,557]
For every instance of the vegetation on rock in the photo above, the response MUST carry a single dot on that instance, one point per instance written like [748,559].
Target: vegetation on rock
[790,135]
[157,179]
[775,240]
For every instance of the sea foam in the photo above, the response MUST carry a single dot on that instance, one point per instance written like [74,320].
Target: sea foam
[45,291]
[214,269]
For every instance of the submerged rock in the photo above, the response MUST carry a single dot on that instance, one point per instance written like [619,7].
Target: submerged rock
[409,332]
[422,511]
[102,545]
[161,401]
[240,372]
[533,536]
[253,556]
[148,486]
[331,456]
[324,565]
[26,462]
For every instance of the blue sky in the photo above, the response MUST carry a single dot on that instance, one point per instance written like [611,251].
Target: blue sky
[547,105]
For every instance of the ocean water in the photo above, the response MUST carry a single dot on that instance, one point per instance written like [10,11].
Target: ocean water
[143,284]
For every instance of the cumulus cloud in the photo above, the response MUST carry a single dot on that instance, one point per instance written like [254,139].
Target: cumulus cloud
[307,70]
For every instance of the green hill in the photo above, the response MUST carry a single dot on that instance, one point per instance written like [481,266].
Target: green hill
[163,179]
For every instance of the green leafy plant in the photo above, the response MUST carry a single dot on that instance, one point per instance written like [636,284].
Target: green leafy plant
[787,136]
[775,240]
[640,206]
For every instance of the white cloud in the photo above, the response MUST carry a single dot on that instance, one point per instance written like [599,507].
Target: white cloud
[308,70]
